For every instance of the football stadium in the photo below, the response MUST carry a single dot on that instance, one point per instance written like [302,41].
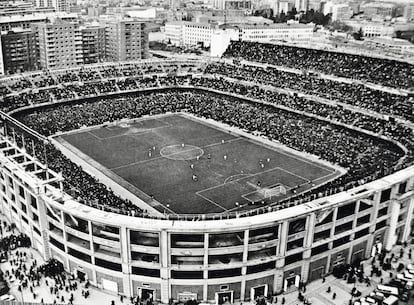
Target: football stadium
[219,180]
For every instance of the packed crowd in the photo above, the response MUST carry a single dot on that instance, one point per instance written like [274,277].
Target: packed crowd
[376,70]
[350,149]
[331,112]
[316,126]
[29,275]
[348,93]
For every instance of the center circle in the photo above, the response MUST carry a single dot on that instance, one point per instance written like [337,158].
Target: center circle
[181,152]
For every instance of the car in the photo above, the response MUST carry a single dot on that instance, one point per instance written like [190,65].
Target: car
[7,297]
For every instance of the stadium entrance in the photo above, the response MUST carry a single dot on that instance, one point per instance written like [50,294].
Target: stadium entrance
[291,283]
[316,273]
[224,297]
[82,276]
[186,296]
[258,291]
[145,293]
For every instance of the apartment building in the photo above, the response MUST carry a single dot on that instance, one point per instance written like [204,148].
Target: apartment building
[19,51]
[93,44]
[126,40]
[60,44]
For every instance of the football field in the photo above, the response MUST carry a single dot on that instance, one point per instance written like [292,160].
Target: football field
[189,166]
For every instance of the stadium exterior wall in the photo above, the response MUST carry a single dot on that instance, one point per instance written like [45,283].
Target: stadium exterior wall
[211,260]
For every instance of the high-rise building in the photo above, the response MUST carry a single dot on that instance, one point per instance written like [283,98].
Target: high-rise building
[58,5]
[126,40]
[233,4]
[93,44]
[382,9]
[409,12]
[19,52]
[341,12]
[17,7]
[60,44]
[301,5]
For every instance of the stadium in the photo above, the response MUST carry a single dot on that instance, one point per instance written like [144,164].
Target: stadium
[217,180]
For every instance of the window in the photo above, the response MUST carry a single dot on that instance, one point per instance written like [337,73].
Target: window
[326,220]
[263,234]
[146,272]
[320,249]
[79,255]
[363,220]
[341,241]
[214,274]
[383,211]
[260,268]
[297,243]
[361,233]
[187,240]
[297,226]
[144,238]
[226,239]
[293,258]
[56,243]
[344,227]
[363,206]
[107,264]
[187,274]
[322,235]
[402,187]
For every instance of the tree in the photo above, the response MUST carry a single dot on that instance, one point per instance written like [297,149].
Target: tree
[339,26]
[358,35]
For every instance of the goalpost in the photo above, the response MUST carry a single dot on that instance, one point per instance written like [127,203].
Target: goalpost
[276,190]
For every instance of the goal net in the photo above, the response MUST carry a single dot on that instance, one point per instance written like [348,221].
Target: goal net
[274,191]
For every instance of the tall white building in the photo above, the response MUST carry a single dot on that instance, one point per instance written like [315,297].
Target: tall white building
[200,34]
[301,5]
[233,4]
[409,12]
[341,12]
[183,33]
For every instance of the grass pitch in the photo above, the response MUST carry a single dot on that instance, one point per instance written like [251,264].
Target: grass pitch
[191,167]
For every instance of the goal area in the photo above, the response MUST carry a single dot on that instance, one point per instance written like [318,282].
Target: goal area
[273,191]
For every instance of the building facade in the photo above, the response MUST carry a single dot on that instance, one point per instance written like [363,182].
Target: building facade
[245,5]
[228,258]
[19,51]
[341,12]
[93,44]
[126,40]
[409,12]
[233,259]
[275,32]
[57,5]
[378,8]
[60,44]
